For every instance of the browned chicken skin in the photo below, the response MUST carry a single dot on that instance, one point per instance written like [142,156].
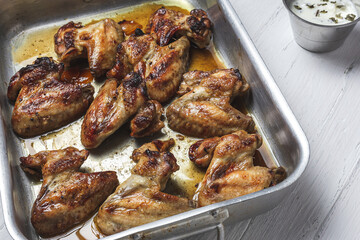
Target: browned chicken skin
[157,74]
[139,199]
[161,67]
[148,120]
[67,197]
[204,110]
[97,42]
[231,172]
[112,107]
[132,51]
[44,101]
[165,24]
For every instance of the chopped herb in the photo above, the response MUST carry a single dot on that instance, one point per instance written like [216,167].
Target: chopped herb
[297,7]
[340,6]
[334,19]
[317,13]
[322,4]
[325,0]
[334,2]
[350,17]
[339,16]
[310,5]
[323,11]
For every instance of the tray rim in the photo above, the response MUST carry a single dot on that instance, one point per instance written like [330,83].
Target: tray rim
[6,185]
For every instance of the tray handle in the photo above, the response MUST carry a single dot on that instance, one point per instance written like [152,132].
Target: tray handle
[205,222]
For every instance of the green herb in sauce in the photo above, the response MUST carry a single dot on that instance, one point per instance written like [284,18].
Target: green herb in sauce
[322,4]
[334,19]
[340,6]
[350,17]
[339,16]
[297,7]
[310,5]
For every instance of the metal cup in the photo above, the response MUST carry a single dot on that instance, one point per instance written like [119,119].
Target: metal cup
[319,38]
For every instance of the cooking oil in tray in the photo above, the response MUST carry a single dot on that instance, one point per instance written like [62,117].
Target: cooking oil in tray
[114,153]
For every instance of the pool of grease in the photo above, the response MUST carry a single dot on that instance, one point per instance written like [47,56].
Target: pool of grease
[114,153]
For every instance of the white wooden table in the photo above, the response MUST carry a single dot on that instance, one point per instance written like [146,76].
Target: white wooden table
[323,90]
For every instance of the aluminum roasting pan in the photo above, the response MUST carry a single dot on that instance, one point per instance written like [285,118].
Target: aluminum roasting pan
[266,104]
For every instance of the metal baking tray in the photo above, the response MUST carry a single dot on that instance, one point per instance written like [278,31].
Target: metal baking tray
[285,141]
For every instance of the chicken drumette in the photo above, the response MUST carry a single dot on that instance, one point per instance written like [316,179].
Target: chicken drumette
[204,110]
[139,199]
[44,101]
[147,120]
[165,24]
[231,172]
[67,197]
[97,42]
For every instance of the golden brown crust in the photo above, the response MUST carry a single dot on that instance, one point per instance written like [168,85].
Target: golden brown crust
[97,42]
[31,74]
[67,197]
[112,107]
[165,24]
[202,151]
[165,69]
[231,172]
[157,71]
[148,120]
[139,199]
[161,67]
[130,53]
[44,101]
[204,110]
[65,42]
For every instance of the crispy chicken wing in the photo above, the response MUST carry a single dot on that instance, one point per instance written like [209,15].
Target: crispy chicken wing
[231,172]
[135,49]
[148,120]
[112,107]
[139,199]
[205,110]
[44,101]
[98,42]
[161,67]
[67,197]
[165,24]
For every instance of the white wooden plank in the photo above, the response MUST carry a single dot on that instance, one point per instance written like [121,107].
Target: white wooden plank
[321,96]
[344,218]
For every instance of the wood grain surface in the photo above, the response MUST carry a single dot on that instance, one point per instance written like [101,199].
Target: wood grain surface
[323,90]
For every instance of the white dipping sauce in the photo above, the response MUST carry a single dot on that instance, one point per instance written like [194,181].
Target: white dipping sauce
[325,12]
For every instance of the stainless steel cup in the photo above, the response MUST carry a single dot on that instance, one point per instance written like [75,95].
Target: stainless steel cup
[319,38]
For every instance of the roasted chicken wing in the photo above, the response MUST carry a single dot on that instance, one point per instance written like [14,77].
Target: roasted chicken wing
[139,199]
[44,101]
[204,110]
[231,172]
[97,42]
[165,24]
[67,197]
[148,120]
[161,67]
[112,107]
